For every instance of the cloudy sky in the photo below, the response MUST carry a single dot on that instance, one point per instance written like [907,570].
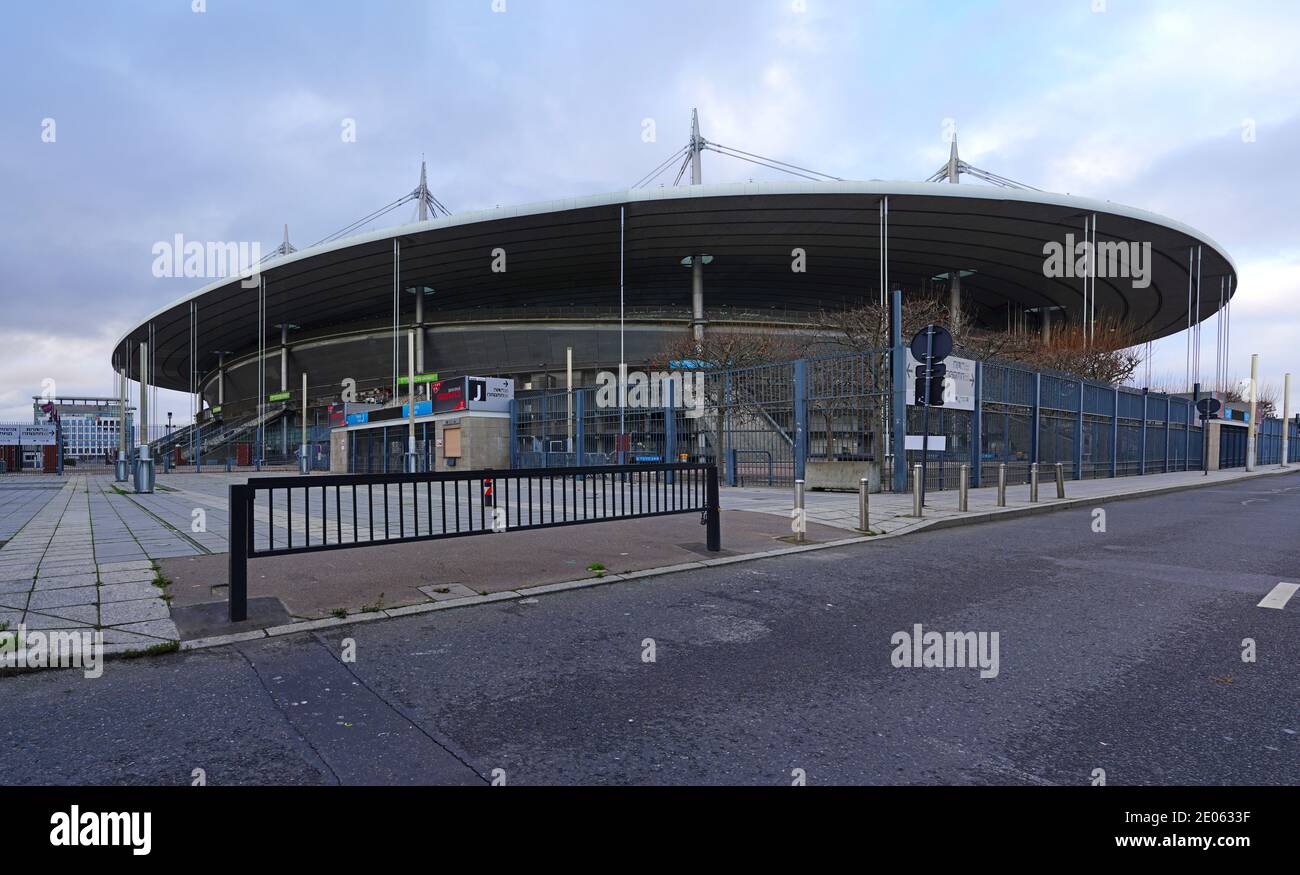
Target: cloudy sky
[225,123]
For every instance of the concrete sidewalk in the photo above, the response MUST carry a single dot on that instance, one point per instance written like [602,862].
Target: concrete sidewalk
[79,562]
[892,514]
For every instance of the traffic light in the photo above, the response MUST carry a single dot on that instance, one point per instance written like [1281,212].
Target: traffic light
[937,373]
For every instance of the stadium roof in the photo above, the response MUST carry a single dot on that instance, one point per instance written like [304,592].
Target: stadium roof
[567,252]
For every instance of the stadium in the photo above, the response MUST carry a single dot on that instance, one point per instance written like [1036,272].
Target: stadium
[512,292]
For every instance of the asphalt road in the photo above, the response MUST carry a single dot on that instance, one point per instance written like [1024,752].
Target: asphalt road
[1119,651]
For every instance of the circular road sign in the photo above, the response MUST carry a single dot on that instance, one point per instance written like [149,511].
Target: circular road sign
[940,346]
[1208,406]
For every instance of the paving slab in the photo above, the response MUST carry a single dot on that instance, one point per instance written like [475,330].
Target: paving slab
[139,611]
[57,598]
[73,580]
[83,616]
[125,576]
[125,592]
[130,565]
[163,630]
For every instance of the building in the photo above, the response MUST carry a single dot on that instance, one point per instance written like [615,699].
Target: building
[508,292]
[89,427]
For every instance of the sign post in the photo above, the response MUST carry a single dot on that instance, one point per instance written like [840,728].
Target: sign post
[304,461]
[1208,409]
[930,346]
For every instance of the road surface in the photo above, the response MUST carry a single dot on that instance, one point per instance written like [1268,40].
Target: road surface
[1118,651]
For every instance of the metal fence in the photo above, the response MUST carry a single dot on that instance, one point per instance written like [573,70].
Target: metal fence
[758,424]
[1268,441]
[283,516]
[761,425]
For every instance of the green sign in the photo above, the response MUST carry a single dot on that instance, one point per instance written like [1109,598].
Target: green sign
[279,396]
[216,410]
[419,379]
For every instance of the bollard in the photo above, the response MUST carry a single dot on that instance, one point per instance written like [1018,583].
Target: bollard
[1002,485]
[917,510]
[864,522]
[963,490]
[1033,483]
[799,518]
[144,472]
[1060,480]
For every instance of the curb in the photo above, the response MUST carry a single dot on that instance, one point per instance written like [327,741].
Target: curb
[590,582]
[1068,503]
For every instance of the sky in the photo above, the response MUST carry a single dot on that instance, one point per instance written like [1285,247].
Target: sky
[224,120]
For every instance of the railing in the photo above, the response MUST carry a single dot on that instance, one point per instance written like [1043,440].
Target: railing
[735,477]
[370,510]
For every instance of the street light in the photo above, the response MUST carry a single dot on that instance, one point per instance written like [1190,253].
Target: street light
[169,423]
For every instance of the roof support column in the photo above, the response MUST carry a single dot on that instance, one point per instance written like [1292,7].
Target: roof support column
[397,279]
[196,385]
[1047,324]
[284,385]
[954,299]
[697,297]
[284,357]
[419,338]
[120,469]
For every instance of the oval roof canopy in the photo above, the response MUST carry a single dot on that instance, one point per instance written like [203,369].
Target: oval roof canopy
[566,252]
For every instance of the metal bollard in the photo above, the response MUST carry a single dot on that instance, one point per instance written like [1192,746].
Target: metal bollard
[963,490]
[864,505]
[917,510]
[1060,480]
[1002,485]
[1033,483]
[799,517]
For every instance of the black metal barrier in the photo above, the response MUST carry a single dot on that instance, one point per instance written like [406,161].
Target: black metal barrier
[339,512]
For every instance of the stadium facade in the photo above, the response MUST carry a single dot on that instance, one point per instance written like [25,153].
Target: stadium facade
[508,292]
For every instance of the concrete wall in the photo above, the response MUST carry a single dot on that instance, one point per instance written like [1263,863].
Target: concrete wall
[1212,428]
[339,445]
[484,438]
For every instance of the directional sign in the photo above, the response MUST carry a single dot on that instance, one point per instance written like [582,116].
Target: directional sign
[420,379]
[958,382]
[28,436]
[279,396]
[932,343]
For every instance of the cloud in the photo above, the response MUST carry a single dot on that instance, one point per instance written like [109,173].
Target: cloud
[226,125]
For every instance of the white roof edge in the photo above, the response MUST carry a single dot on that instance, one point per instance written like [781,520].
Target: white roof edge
[733,189]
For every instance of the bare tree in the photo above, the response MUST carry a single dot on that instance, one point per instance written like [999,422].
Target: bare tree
[1111,355]
[1268,397]
[730,350]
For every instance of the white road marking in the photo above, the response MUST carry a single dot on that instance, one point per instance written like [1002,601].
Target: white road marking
[1280,595]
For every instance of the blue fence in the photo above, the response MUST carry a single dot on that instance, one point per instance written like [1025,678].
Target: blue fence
[1268,441]
[763,425]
